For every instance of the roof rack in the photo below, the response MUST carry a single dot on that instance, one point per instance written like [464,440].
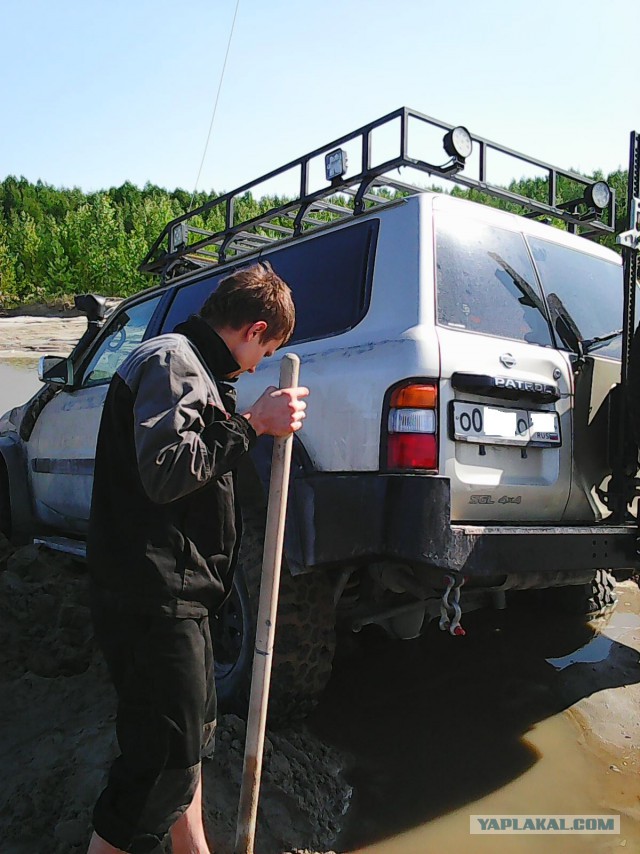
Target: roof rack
[185,245]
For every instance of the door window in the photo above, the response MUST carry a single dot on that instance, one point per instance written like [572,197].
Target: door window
[125,331]
[587,288]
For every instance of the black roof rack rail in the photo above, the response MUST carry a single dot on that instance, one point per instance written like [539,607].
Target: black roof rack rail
[346,196]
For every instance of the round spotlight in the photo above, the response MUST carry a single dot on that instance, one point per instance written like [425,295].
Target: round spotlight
[598,195]
[457,142]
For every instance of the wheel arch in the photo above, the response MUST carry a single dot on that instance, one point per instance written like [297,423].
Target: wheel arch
[254,473]
[14,478]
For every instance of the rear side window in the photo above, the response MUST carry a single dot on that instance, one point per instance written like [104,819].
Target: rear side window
[329,275]
[486,282]
[587,288]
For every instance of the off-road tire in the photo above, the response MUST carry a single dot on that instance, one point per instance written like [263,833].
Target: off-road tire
[305,635]
[603,597]
[590,600]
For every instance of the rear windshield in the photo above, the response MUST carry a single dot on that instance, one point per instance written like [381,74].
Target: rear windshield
[486,282]
[329,275]
[588,288]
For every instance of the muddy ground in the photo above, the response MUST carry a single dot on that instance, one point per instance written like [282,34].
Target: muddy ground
[413,752]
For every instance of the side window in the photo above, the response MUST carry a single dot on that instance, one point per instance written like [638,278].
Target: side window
[124,332]
[329,275]
[486,282]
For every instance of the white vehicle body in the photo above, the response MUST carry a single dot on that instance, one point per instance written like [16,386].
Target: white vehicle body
[399,337]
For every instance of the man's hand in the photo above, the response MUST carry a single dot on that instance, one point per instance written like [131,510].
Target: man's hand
[278,412]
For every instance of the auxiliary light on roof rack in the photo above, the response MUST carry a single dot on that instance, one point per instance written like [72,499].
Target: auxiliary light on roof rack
[335,164]
[596,197]
[458,144]
[184,246]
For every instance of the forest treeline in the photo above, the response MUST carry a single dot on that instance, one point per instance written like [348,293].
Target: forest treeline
[58,242]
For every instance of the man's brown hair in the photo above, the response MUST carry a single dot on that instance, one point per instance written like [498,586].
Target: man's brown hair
[251,294]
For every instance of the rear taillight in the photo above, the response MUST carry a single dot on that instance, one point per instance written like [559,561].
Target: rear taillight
[412,428]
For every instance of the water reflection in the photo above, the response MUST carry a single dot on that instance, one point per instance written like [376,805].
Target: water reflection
[18,381]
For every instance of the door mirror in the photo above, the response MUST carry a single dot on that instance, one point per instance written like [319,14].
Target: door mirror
[57,370]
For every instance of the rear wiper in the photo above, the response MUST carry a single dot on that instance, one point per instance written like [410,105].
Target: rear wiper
[591,343]
[566,327]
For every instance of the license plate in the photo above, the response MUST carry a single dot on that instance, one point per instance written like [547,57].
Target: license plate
[497,425]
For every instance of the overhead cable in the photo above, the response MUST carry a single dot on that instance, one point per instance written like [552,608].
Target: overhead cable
[215,106]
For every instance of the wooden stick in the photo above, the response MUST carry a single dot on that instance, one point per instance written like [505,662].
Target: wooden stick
[266,625]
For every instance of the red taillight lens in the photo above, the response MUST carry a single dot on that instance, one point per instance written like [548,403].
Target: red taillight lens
[412,451]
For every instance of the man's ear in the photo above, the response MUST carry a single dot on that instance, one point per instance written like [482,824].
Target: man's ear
[256,329]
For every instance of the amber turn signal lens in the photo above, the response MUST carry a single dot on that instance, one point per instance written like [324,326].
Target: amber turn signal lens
[415,396]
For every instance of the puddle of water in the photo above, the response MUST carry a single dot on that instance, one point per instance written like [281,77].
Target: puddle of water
[600,647]
[441,728]
[18,382]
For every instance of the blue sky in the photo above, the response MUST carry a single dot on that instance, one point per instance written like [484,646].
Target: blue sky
[101,91]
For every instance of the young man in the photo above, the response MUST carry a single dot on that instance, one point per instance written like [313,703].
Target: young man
[163,542]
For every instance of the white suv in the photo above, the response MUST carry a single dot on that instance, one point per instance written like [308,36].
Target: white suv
[461,362]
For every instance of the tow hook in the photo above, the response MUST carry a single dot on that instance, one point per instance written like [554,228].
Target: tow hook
[450,610]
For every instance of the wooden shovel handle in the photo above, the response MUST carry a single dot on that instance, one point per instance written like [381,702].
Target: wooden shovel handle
[266,624]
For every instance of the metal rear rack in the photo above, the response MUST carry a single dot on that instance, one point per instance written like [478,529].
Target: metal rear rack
[185,244]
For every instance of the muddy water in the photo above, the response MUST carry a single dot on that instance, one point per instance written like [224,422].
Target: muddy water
[442,728]
[18,381]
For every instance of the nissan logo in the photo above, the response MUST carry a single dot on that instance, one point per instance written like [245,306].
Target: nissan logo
[507,360]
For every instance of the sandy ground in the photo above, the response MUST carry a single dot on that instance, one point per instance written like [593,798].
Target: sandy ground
[41,332]
[24,336]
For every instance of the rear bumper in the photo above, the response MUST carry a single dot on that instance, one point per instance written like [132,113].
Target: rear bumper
[364,517]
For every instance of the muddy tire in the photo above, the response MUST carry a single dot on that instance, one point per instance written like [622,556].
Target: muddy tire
[305,636]
[589,600]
